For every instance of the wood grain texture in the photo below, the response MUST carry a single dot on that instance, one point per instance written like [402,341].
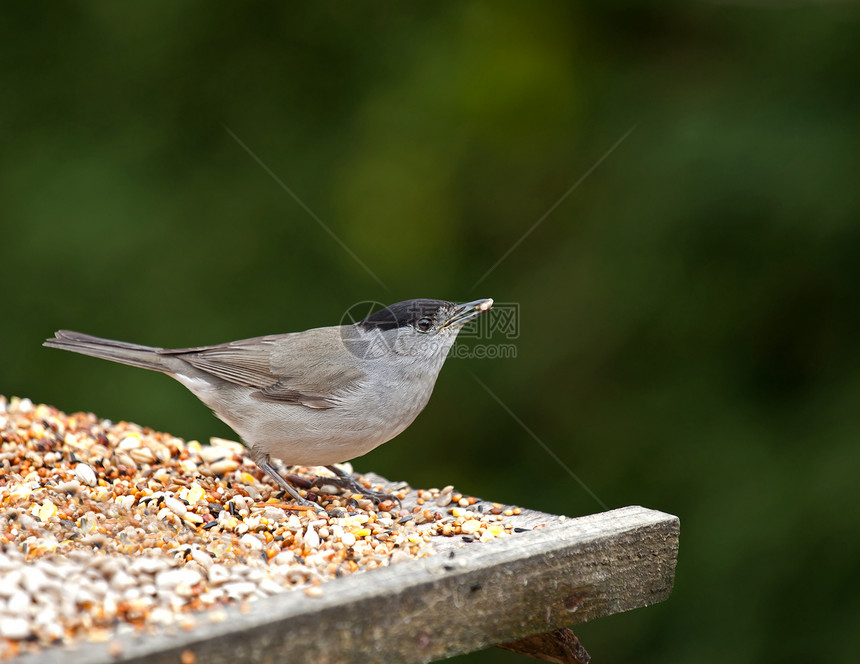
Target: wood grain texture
[454,602]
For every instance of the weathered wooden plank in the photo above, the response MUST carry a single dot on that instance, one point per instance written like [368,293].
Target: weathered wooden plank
[454,602]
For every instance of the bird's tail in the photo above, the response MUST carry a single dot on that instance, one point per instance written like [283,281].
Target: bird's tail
[136,355]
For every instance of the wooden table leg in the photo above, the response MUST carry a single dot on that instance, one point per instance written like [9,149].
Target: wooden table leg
[560,646]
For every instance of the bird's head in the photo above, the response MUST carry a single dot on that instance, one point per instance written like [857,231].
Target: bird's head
[419,329]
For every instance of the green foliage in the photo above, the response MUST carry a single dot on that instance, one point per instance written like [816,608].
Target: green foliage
[688,314]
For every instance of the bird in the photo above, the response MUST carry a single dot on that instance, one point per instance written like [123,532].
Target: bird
[313,398]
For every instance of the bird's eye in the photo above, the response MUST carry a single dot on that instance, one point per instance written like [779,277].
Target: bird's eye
[424,324]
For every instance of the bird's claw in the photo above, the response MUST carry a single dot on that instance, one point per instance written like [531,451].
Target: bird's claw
[350,483]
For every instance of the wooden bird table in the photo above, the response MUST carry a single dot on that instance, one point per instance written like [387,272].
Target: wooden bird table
[521,592]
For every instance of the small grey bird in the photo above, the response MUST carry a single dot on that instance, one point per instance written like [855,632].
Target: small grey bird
[312,398]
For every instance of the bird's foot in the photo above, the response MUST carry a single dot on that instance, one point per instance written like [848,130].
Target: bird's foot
[297,498]
[347,481]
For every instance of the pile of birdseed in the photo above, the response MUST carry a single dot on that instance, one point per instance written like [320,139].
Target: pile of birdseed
[110,527]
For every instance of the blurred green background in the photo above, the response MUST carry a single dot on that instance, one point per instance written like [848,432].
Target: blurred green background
[688,314]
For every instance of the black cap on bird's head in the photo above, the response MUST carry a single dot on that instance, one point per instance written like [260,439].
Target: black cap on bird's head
[401,314]
[425,315]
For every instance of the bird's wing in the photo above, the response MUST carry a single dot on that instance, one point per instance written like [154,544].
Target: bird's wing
[287,368]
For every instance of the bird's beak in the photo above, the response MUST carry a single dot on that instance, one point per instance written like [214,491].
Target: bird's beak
[466,312]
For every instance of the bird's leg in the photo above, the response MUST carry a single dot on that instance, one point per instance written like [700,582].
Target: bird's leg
[347,481]
[270,470]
